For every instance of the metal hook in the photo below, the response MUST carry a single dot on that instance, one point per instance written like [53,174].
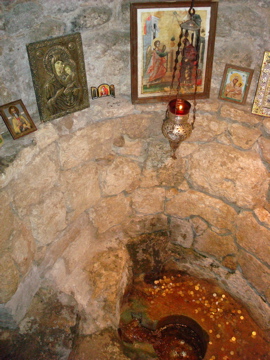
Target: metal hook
[191,10]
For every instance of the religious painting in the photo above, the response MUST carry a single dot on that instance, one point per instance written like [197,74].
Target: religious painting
[165,60]
[59,78]
[261,104]
[102,90]
[235,84]
[17,119]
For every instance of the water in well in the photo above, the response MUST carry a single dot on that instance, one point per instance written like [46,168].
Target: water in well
[175,316]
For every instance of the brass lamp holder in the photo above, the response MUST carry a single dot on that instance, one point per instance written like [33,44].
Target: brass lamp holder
[176,127]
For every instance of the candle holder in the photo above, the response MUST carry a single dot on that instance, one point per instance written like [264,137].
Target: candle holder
[176,127]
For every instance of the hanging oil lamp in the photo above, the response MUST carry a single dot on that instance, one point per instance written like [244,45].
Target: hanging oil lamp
[176,127]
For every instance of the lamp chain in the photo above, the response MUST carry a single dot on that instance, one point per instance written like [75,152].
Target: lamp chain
[191,12]
[196,79]
[176,60]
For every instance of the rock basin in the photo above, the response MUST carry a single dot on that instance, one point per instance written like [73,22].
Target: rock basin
[153,304]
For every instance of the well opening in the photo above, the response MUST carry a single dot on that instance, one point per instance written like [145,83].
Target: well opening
[169,313]
[180,337]
[175,337]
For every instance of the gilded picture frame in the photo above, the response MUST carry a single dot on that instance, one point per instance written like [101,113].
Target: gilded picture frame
[261,104]
[160,22]
[235,84]
[59,77]
[17,119]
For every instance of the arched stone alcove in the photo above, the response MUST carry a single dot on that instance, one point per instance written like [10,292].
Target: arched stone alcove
[71,207]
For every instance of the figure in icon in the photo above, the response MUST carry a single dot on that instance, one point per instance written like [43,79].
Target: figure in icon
[63,90]
[157,58]
[234,88]
[19,122]
[72,88]
[103,91]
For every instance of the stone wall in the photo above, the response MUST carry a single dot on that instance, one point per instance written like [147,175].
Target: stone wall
[79,189]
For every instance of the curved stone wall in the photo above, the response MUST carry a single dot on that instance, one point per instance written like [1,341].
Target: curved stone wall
[75,192]
[73,201]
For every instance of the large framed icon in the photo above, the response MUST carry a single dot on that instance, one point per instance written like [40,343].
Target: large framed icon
[155,30]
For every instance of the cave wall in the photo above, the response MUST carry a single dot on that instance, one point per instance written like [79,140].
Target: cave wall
[79,189]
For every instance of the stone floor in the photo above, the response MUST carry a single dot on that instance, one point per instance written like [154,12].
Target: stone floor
[102,346]
[49,331]
[41,346]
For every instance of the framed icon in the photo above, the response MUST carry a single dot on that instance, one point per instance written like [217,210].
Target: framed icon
[235,84]
[155,36]
[261,104]
[102,90]
[17,119]
[58,72]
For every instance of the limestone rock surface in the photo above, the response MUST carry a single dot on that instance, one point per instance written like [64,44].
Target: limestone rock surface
[236,176]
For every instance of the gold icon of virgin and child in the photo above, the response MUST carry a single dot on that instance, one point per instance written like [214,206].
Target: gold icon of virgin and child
[63,90]
[59,77]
